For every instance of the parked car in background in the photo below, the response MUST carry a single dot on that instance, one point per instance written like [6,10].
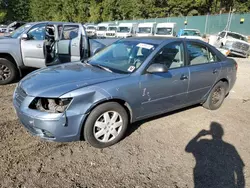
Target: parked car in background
[91,30]
[13,26]
[101,30]
[125,30]
[145,29]
[111,31]
[235,42]
[165,29]
[41,44]
[132,79]
[3,28]
[190,34]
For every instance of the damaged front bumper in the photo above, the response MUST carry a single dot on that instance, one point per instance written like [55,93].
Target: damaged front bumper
[60,127]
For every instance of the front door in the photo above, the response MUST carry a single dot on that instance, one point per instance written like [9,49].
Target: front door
[69,45]
[162,92]
[33,47]
[204,67]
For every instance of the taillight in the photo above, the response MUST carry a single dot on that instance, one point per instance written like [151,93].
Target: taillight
[236,66]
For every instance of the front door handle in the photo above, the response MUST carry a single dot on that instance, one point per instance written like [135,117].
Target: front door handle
[39,46]
[74,45]
[215,71]
[184,77]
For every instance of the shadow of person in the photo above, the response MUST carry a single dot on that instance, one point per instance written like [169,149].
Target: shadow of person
[218,164]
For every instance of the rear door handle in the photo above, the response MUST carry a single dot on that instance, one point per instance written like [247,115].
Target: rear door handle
[184,77]
[74,45]
[39,46]
[215,71]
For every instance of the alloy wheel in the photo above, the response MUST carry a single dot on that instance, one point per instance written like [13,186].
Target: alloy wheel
[5,72]
[108,126]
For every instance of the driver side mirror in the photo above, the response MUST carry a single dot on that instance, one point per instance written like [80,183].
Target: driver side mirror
[157,68]
[24,36]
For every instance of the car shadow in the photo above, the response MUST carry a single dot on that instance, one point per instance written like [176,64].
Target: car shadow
[218,163]
[134,126]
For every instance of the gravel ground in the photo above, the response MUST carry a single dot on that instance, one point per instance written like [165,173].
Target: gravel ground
[155,153]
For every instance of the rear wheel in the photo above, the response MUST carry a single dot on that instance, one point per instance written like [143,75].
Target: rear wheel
[106,125]
[8,71]
[216,96]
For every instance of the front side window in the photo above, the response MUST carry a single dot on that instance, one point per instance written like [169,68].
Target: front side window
[70,32]
[123,56]
[199,54]
[37,32]
[172,55]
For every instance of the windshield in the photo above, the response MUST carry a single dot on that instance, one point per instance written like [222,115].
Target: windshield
[164,31]
[112,29]
[102,28]
[144,30]
[91,28]
[190,33]
[123,56]
[123,30]
[236,36]
[19,31]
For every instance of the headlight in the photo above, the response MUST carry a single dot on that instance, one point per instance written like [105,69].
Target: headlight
[50,105]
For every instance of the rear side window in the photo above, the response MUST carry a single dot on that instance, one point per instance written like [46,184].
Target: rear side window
[199,54]
[70,32]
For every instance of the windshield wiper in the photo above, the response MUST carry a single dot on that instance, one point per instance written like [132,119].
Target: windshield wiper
[102,67]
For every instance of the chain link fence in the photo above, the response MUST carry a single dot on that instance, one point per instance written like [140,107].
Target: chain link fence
[209,24]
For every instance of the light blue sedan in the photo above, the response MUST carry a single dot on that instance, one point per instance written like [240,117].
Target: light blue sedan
[131,80]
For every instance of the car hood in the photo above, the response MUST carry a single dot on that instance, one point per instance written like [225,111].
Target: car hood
[60,79]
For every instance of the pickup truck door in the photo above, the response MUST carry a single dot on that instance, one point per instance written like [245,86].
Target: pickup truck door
[33,47]
[73,43]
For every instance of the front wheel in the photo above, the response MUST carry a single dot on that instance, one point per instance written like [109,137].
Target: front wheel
[106,125]
[216,96]
[8,71]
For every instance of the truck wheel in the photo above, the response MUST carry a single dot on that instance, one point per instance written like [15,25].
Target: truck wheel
[216,96]
[8,71]
[106,125]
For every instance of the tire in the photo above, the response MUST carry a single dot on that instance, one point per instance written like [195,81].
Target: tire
[99,131]
[8,71]
[216,96]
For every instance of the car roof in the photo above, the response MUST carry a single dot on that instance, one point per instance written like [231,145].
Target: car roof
[48,22]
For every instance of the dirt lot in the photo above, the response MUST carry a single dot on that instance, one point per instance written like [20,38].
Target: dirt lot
[152,155]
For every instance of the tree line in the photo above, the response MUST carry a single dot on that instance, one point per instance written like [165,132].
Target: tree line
[111,10]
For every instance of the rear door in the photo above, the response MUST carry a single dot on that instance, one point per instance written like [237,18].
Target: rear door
[70,44]
[33,48]
[204,68]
